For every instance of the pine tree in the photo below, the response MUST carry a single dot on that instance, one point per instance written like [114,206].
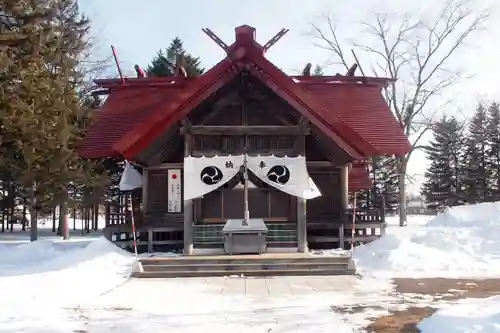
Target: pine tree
[475,162]
[493,150]
[386,181]
[24,89]
[318,71]
[443,185]
[40,103]
[163,64]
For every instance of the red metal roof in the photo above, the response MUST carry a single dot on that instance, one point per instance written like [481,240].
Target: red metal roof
[177,108]
[351,111]
[123,109]
[359,178]
[363,108]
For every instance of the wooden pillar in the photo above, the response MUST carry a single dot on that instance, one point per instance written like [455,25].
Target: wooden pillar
[150,240]
[341,236]
[301,225]
[145,173]
[300,148]
[188,204]
[344,190]
[344,202]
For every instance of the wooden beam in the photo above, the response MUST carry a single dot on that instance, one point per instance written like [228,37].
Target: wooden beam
[162,148]
[185,122]
[246,130]
[326,164]
[303,121]
[166,166]
[269,101]
[212,111]
[262,152]
[188,205]
[333,153]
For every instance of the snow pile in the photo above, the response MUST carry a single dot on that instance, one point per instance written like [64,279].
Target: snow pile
[462,242]
[65,272]
[43,280]
[481,215]
[469,315]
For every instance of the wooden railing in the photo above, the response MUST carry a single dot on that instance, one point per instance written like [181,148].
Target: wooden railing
[154,231]
[279,235]
[365,215]
[331,231]
[118,213]
[157,231]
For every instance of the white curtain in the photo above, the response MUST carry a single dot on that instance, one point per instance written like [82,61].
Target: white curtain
[203,175]
[131,178]
[288,174]
[313,190]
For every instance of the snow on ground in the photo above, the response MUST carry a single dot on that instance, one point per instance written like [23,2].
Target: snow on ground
[469,315]
[81,285]
[49,286]
[461,242]
[45,232]
[39,279]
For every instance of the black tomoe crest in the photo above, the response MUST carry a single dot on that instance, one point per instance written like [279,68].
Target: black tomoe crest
[279,174]
[211,175]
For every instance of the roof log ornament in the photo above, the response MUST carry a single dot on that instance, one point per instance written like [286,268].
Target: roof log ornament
[352,70]
[349,110]
[139,72]
[307,70]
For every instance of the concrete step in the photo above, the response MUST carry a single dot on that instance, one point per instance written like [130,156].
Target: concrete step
[229,260]
[286,272]
[244,267]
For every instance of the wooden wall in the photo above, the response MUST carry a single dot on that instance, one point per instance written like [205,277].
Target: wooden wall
[257,121]
[208,145]
[227,203]
[328,205]
[267,203]
[156,199]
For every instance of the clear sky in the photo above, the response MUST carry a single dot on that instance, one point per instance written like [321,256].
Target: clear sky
[138,29]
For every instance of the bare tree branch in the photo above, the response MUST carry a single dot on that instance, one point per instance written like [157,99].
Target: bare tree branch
[417,51]
[329,42]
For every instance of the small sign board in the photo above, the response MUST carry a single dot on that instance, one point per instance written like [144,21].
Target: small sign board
[174,191]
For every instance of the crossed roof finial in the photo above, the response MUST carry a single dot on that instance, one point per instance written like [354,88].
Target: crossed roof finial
[245,32]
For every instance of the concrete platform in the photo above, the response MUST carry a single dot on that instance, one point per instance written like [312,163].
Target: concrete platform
[269,264]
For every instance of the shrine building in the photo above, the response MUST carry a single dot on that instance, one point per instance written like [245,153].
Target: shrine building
[303,141]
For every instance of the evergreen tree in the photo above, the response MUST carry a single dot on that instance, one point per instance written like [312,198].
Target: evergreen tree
[475,162]
[493,151]
[318,71]
[386,181]
[443,185]
[39,101]
[163,64]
